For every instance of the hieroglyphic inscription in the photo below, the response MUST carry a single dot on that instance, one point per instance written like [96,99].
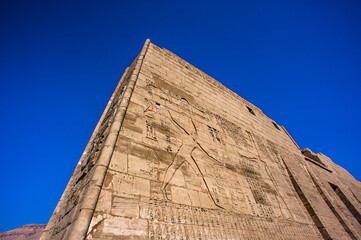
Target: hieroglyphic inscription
[160,123]
[184,154]
[188,164]
[150,130]
[168,220]
[149,113]
[232,129]
[215,134]
[254,180]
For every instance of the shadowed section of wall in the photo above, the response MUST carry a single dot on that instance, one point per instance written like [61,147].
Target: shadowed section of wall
[308,206]
[347,203]
[334,211]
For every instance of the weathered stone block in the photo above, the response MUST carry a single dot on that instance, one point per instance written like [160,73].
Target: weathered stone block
[176,155]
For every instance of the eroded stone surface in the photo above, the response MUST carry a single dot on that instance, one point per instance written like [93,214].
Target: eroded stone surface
[193,160]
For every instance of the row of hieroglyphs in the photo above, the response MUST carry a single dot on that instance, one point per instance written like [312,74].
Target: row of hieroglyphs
[200,140]
[169,220]
[186,172]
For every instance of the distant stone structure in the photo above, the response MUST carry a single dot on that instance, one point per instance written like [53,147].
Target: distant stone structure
[176,155]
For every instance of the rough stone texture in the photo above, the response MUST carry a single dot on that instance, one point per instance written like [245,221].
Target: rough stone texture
[190,159]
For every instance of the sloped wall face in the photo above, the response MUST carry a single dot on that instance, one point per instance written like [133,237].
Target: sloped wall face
[341,191]
[193,160]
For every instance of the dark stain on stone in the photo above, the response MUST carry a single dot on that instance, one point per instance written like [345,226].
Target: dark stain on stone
[160,83]
[130,118]
[133,128]
[268,188]
[231,167]
[123,144]
[161,128]
[250,173]
[108,179]
[258,197]
[129,123]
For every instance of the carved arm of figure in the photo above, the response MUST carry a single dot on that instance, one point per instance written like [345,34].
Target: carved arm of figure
[176,123]
[210,156]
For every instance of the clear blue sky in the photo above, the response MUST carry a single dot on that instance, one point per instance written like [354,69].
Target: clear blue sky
[299,61]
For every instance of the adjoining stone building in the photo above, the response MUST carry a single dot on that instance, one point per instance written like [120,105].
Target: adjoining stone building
[176,155]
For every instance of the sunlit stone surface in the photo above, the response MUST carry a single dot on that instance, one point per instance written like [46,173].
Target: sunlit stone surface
[176,155]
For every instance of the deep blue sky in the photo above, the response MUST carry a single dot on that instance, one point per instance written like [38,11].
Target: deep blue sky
[299,61]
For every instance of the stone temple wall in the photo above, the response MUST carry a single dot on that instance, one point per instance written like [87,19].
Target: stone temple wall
[176,155]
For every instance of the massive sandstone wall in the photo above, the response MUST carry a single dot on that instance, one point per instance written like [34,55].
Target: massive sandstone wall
[190,159]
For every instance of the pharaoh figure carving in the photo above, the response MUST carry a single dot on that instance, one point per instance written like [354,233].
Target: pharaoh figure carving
[177,155]
[188,135]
